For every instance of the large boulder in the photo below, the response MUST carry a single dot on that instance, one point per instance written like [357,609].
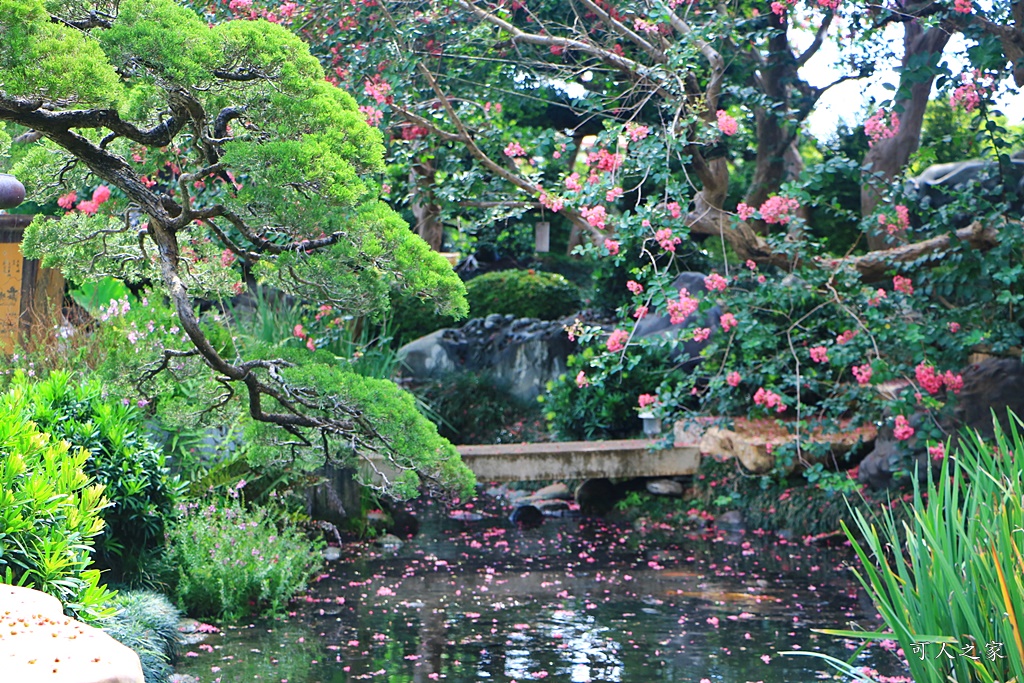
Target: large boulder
[936,185]
[521,354]
[39,643]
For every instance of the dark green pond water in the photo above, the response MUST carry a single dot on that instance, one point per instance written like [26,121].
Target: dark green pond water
[574,600]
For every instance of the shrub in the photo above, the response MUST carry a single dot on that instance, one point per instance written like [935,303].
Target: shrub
[470,408]
[147,622]
[606,410]
[233,562]
[522,293]
[121,457]
[50,513]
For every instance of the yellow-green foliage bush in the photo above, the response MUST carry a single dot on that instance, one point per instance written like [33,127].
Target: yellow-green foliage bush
[50,513]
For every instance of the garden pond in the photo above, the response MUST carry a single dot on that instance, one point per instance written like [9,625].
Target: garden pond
[478,598]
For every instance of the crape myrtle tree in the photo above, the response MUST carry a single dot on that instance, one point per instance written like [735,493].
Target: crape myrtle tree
[698,108]
[208,149]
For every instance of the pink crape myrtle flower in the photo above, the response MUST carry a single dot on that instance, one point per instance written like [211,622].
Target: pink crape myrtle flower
[929,380]
[67,201]
[845,337]
[877,128]
[903,284]
[88,207]
[963,6]
[616,340]
[613,194]
[937,452]
[581,380]
[701,334]
[733,379]
[862,373]
[903,430]
[636,132]
[715,283]
[666,239]
[726,123]
[674,209]
[635,287]
[778,209]
[819,354]
[612,246]
[645,400]
[682,308]
[727,321]
[514,149]
[640,312]
[954,327]
[572,183]
[745,213]
[596,216]
[551,202]
[101,194]
[769,399]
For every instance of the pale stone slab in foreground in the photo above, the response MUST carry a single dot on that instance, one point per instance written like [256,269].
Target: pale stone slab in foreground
[38,644]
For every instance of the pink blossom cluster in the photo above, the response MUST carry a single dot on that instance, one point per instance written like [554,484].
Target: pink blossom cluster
[733,379]
[514,149]
[728,321]
[552,202]
[572,183]
[613,194]
[87,206]
[637,132]
[937,452]
[903,430]
[877,128]
[377,89]
[933,382]
[845,337]
[954,327]
[715,283]
[674,209]
[666,239]
[745,212]
[965,96]
[769,399]
[701,334]
[644,26]
[682,308]
[227,257]
[581,380]
[617,340]
[963,6]
[898,224]
[819,354]
[828,4]
[862,373]
[595,215]
[877,298]
[640,312]
[903,284]
[778,209]
[726,123]
[612,246]
[635,287]
[644,400]
[605,160]
[372,115]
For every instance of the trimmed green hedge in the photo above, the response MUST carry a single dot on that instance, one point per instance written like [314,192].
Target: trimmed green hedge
[522,293]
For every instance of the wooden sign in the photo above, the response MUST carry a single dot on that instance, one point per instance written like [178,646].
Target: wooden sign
[29,295]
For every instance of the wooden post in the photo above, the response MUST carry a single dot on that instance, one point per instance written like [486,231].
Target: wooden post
[29,294]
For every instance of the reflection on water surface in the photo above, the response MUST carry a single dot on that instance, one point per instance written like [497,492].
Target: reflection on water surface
[573,600]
